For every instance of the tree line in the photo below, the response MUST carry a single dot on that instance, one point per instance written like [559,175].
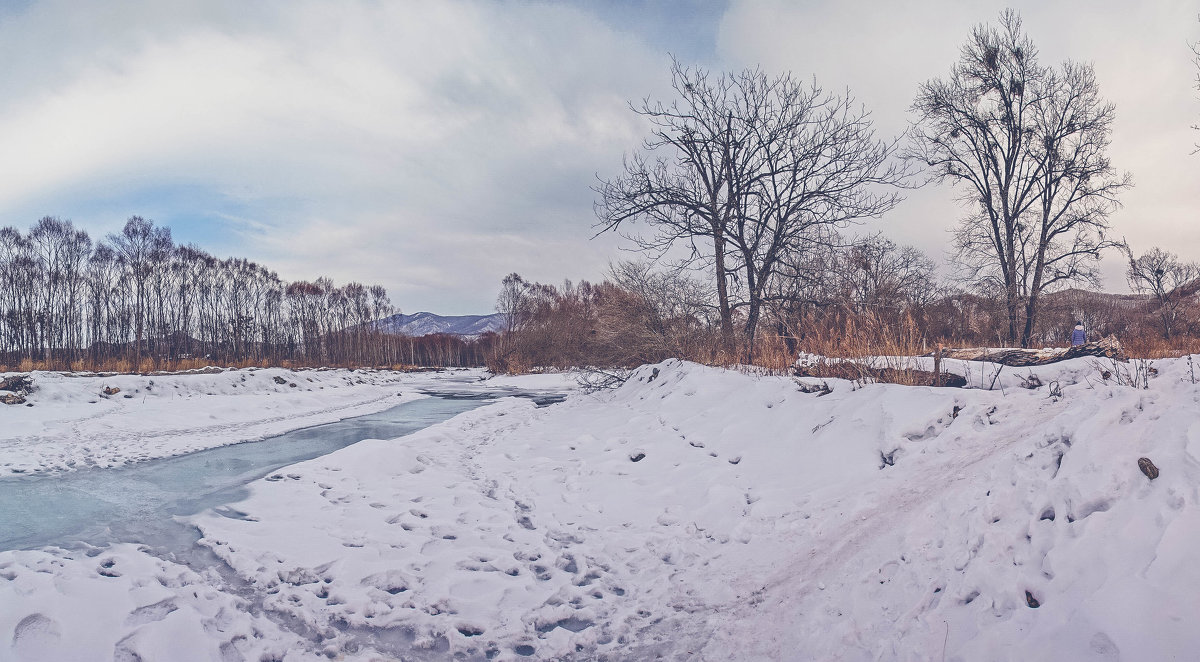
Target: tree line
[868,297]
[136,300]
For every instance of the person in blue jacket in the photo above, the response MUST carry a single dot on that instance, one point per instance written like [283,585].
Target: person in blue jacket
[1078,336]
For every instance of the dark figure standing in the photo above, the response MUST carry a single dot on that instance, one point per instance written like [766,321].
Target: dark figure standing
[1078,336]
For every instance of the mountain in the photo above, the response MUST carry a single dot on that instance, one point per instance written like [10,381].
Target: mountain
[421,324]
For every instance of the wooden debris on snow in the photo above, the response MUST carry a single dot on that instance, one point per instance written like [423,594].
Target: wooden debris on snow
[1109,347]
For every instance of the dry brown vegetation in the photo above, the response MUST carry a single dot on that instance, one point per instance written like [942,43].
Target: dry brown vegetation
[625,322]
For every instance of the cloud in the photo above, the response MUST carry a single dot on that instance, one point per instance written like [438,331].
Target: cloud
[435,147]
[418,139]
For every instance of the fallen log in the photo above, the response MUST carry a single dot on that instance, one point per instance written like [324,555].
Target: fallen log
[1108,347]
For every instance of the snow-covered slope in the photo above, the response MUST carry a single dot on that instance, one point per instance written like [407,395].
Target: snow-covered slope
[710,513]
[704,514]
[420,324]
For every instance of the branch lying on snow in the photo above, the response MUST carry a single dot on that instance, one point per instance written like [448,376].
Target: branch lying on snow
[595,379]
[1109,347]
[821,389]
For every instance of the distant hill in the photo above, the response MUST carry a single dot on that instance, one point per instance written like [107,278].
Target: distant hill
[421,324]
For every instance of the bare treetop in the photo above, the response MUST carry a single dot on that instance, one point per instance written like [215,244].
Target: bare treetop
[746,171]
[1026,145]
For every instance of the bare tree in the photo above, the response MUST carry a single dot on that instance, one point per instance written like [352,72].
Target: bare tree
[139,247]
[820,169]
[1077,188]
[699,180]
[1057,240]
[877,274]
[671,312]
[759,168]
[1026,144]
[514,302]
[1161,275]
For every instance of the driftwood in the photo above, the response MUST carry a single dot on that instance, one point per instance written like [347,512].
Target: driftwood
[1109,347]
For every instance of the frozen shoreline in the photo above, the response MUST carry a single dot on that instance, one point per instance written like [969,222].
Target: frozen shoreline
[73,424]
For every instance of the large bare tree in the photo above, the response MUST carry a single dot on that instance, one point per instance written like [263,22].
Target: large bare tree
[1026,144]
[747,171]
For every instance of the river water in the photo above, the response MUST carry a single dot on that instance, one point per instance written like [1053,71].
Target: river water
[138,503]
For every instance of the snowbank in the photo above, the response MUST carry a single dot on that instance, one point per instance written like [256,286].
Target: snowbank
[697,513]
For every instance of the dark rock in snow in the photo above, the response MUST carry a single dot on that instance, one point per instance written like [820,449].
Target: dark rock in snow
[1031,601]
[22,384]
[637,457]
[280,380]
[12,399]
[1148,467]
[111,390]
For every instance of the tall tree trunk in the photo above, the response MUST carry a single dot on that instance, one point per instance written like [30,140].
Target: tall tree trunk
[722,289]
[1030,320]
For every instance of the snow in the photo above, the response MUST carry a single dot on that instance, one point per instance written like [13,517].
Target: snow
[71,422]
[124,604]
[693,513]
[423,323]
[548,381]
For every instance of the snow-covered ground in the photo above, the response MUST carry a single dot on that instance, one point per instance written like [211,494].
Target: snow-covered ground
[693,513]
[70,422]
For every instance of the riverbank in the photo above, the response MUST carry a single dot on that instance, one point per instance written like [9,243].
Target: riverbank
[77,420]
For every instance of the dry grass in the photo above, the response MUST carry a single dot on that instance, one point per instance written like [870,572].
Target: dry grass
[861,337]
[861,372]
[1155,347]
[866,349]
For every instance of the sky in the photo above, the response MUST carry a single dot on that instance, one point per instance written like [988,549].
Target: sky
[434,147]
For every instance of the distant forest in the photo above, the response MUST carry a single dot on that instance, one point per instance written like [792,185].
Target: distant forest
[136,301]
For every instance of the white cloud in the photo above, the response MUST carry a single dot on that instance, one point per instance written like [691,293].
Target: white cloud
[348,131]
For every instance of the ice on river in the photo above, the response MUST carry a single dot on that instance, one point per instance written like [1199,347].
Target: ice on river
[696,513]
[86,420]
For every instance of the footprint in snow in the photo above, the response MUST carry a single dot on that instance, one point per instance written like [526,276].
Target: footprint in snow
[152,612]
[35,635]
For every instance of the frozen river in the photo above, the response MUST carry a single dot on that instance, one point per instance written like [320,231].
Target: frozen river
[138,503]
